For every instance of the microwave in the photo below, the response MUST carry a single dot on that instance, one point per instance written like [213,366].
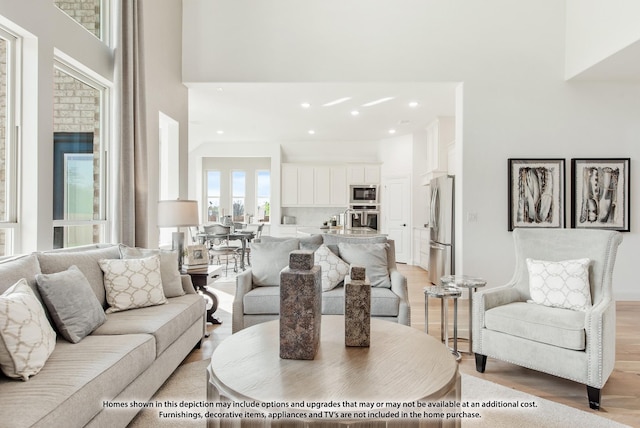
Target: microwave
[364,194]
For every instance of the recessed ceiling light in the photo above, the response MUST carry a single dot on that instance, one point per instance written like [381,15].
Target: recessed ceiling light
[355,113]
[392,131]
[338,101]
[219,89]
[413,104]
[305,105]
[311,132]
[378,101]
[219,132]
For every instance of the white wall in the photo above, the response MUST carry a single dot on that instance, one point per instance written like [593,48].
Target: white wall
[597,29]
[516,102]
[165,93]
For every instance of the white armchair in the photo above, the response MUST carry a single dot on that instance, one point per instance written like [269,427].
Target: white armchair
[572,344]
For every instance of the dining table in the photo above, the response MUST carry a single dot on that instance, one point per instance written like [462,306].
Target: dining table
[244,236]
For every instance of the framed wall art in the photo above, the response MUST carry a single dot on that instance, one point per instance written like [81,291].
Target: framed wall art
[600,194]
[536,193]
[197,255]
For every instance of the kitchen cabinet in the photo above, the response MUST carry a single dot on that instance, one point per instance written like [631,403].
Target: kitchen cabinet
[289,178]
[338,193]
[363,174]
[314,185]
[440,135]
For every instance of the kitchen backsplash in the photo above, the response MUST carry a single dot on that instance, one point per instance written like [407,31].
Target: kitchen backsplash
[311,216]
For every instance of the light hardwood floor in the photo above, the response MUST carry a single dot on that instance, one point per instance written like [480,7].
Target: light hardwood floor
[620,396]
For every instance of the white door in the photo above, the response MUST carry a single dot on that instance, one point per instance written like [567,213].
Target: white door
[396,198]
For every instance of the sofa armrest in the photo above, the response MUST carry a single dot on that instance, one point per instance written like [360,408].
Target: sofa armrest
[399,287]
[187,284]
[244,284]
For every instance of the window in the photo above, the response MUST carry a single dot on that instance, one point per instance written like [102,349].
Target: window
[8,144]
[238,190]
[213,196]
[263,194]
[88,13]
[79,163]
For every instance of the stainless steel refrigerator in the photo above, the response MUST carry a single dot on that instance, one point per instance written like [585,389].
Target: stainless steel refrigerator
[441,229]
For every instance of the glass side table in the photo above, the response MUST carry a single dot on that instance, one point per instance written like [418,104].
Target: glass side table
[444,293]
[472,284]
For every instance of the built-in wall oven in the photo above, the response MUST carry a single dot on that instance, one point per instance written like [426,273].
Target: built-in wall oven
[364,216]
[364,194]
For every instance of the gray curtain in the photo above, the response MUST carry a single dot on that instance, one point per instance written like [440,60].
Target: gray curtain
[131,187]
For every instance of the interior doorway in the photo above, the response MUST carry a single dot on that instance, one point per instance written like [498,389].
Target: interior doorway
[396,197]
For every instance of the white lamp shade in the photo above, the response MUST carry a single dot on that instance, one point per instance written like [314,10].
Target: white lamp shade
[177,213]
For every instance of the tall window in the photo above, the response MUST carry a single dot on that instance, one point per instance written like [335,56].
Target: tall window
[79,211]
[88,13]
[213,196]
[238,191]
[263,194]
[8,144]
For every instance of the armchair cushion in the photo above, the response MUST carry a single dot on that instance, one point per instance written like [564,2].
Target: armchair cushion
[262,300]
[554,326]
[384,302]
[269,258]
[563,284]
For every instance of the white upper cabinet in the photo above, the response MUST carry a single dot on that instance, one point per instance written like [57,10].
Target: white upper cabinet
[289,185]
[363,174]
[314,185]
[338,183]
[440,137]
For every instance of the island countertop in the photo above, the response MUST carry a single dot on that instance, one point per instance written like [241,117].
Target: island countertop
[354,232]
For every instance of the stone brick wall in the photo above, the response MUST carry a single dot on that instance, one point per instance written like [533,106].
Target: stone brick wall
[85,12]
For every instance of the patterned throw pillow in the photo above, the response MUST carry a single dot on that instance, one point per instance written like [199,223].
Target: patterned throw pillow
[132,283]
[334,269]
[27,338]
[562,284]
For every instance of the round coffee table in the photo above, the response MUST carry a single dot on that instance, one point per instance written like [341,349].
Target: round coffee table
[402,365]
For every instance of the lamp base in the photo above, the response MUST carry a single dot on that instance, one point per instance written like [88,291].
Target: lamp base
[177,244]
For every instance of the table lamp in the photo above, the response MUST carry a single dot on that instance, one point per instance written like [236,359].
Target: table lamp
[177,213]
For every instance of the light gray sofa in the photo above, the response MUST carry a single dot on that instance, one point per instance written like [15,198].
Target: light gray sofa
[255,304]
[576,344]
[126,358]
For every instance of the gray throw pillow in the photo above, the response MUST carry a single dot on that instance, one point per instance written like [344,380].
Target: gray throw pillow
[86,261]
[268,259]
[374,259]
[73,306]
[171,281]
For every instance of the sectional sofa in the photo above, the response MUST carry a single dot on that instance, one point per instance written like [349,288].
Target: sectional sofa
[257,297]
[99,380]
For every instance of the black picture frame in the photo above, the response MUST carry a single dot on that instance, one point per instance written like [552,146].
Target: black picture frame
[536,193]
[600,190]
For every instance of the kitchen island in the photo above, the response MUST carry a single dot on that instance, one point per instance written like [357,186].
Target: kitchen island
[354,232]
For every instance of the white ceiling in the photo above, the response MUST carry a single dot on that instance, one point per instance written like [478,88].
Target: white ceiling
[273,112]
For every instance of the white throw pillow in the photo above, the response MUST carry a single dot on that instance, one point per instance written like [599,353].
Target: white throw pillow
[563,284]
[334,269]
[132,283]
[27,338]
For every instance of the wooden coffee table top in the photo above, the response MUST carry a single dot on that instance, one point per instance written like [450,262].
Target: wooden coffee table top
[402,364]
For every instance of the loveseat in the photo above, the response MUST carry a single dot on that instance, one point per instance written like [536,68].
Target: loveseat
[257,297]
[98,380]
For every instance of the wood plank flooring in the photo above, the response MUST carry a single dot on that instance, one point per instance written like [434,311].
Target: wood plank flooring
[620,396]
